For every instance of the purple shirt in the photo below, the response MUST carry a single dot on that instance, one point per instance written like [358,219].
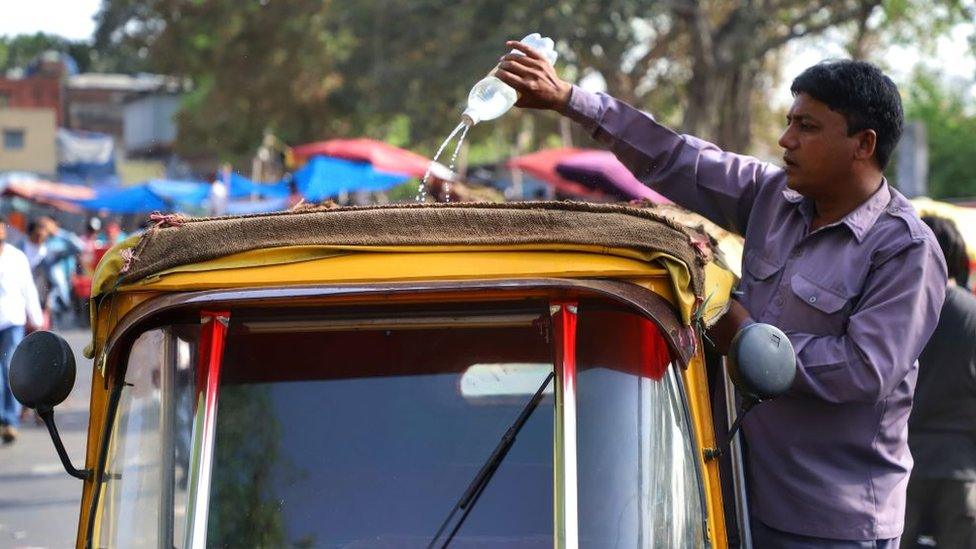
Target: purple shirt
[858,299]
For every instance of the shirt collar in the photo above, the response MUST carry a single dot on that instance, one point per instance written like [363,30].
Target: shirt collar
[858,221]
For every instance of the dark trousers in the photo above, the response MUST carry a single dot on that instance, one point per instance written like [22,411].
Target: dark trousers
[764,537]
[947,506]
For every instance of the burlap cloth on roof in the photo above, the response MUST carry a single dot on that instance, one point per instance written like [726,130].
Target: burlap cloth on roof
[176,241]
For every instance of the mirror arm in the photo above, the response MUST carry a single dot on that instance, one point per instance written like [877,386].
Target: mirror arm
[714,453]
[47,415]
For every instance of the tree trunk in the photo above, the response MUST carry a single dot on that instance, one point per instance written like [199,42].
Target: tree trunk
[719,106]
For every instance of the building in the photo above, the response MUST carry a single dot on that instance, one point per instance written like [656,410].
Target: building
[27,140]
[37,87]
[149,127]
[96,101]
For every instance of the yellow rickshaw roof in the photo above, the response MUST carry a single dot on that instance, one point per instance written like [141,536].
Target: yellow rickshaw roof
[347,244]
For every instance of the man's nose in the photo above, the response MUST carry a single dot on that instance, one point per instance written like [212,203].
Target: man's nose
[787,140]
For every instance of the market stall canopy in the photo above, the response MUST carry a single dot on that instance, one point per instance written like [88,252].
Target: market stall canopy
[324,177]
[383,156]
[241,187]
[600,170]
[31,187]
[137,199]
[542,166]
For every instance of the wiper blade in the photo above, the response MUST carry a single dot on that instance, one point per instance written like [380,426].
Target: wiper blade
[481,480]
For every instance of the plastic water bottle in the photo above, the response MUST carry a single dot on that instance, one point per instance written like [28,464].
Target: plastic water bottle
[491,98]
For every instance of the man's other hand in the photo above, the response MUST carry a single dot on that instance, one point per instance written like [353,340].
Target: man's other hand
[533,78]
[722,332]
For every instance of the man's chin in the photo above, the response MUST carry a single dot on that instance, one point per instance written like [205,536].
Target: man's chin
[795,184]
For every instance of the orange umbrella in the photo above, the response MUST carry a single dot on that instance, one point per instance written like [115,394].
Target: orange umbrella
[542,166]
[383,156]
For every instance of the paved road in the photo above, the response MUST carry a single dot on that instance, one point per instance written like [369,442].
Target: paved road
[38,501]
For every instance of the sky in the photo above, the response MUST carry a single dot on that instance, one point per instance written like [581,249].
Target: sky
[69,18]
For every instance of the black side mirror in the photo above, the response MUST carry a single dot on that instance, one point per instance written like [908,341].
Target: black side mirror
[42,374]
[42,371]
[762,365]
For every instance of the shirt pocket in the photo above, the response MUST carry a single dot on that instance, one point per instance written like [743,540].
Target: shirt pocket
[815,309]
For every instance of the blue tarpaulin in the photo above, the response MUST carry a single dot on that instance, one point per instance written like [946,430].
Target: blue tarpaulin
[324,177]
[244,207]
[86,157]
[189,193]
[138,199]
[240,187]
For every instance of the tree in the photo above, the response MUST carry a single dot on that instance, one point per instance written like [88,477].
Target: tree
[400,69]
[949,114]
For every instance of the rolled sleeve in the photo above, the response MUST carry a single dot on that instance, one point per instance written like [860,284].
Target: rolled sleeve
[885,335]
[692,172]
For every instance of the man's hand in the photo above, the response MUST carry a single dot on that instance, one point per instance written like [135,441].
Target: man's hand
[534,79]
[725,329]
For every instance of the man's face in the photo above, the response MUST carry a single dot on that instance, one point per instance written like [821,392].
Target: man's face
[3,232]
[818,155]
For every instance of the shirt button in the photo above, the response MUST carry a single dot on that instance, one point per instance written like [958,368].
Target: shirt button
[778,301]
[813,299]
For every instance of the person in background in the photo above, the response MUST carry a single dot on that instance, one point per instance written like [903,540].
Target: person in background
[834,256]
[19,305]
[219,191]
[942,427]
[46,246]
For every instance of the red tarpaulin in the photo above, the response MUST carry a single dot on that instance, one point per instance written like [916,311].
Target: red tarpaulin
[383,156]
[542,166]
[59,195]
[602,171]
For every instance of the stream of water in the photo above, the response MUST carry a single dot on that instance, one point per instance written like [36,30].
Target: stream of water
[422,189]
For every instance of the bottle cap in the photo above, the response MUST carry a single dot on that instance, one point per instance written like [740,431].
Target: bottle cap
[470,117]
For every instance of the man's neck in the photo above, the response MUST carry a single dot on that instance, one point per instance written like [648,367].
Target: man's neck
[832,209]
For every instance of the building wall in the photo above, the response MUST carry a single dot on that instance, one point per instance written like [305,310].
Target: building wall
[148,123]
[37,91]
[36,152]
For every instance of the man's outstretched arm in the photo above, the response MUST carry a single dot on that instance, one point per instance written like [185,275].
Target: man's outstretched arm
[694,173]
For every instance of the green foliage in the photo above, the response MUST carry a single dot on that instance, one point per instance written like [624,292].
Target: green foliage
[23,49]
[400,70]
[243,510]
[949,114]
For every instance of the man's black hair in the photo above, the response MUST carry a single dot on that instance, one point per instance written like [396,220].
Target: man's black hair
[859,91]
[32,226]
[953,247]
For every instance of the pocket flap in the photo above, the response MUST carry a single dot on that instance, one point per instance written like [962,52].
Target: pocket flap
[760,267]
[816,296]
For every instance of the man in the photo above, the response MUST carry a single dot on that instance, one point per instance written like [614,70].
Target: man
[18,304]
[834,257]
[942,427]
[47,246]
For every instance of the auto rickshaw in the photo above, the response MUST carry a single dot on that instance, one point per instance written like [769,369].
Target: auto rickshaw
[447,375]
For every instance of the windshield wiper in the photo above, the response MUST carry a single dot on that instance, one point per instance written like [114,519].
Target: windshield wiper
[477,486]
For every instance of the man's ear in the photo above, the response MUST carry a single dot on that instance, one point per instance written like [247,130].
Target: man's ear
[867,141]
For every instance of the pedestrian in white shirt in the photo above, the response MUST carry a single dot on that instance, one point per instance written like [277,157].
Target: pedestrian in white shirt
[19,305]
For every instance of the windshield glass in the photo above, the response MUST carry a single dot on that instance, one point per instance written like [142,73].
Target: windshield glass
[364,432]
[637,481]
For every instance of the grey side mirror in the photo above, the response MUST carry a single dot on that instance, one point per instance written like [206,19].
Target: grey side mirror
[42,374]
[762,363]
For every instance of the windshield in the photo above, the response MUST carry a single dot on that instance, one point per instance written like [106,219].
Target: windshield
[351,433]
[365,427]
